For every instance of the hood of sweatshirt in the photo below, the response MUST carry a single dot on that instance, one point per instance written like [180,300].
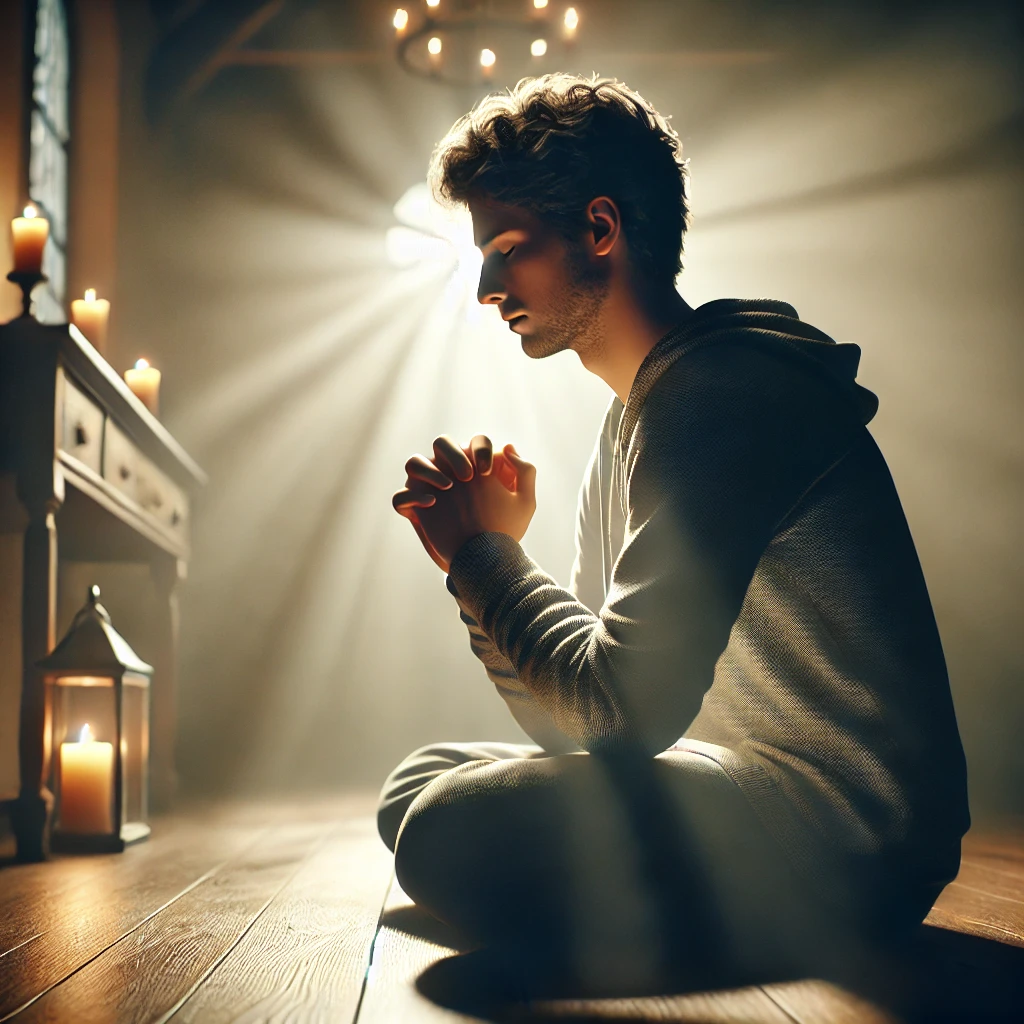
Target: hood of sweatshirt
[766,324]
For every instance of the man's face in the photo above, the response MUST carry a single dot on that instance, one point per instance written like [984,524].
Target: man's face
[548,290]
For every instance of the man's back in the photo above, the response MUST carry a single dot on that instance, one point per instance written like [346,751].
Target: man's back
[833,681]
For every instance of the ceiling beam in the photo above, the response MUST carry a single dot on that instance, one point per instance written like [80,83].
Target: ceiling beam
[198,46]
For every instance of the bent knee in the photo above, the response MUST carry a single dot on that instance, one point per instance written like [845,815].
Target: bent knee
[427,844]
[410,777]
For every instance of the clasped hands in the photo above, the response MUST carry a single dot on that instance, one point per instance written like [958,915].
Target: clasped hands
[463,492]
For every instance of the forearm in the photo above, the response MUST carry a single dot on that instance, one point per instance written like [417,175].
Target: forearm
[553,645]
[531,717]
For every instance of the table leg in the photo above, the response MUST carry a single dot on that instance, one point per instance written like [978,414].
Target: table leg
[168,573]
[30,811]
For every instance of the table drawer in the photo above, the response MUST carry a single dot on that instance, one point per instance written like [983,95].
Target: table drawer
[159,497]
[120,461]
[81,426]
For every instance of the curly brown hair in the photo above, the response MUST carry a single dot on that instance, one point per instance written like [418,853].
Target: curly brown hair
[554,143]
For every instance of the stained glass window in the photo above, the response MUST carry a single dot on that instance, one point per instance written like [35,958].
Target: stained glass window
[49,134]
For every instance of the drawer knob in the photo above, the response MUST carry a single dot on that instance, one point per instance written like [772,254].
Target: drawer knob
[125,472]
[175,517]
[81,437]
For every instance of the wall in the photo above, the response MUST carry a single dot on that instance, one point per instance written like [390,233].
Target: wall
[869,171]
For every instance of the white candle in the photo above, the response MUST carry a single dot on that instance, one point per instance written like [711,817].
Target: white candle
[90,316]
[144,380]
[30,233]
[86,785]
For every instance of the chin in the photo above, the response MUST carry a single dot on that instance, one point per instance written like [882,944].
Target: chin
[537,346]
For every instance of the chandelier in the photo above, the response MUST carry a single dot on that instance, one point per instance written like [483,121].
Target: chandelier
[466,42]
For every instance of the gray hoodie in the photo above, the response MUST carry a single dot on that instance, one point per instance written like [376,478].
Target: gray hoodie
[745,585]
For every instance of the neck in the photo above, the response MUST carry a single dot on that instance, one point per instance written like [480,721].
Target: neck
[630,326]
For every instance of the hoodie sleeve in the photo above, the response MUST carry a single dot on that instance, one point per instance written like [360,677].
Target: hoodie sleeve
[586,585]
[725,444]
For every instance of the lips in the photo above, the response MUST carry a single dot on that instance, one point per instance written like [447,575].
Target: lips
[516,321]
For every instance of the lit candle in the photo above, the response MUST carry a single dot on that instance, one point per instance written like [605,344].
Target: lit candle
[30,233]
[487,59]
[144,380]
[90,316]
[86,785]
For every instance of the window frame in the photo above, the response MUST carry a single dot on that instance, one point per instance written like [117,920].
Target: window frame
[50,299]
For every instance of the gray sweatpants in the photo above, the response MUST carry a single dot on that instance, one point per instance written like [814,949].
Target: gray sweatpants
[616,874]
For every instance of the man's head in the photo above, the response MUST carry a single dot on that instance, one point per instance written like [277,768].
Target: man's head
[570,182]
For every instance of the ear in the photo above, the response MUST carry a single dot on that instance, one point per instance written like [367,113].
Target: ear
[605,223]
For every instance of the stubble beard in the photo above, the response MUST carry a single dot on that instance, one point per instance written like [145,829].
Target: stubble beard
[576,323]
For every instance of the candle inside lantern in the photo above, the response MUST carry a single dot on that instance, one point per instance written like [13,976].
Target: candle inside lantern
[86,785]
[90,316]
[144,380]
[30,233]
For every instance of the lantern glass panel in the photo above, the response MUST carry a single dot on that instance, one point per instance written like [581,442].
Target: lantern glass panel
[84,740]
[135,747]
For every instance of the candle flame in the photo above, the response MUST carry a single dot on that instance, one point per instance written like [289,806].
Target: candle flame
[141,364]
[487,58]
[401,19]
[31,211]
[572,19]
[90,294]
[86,734]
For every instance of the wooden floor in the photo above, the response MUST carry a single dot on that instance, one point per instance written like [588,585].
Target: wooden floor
[262,913]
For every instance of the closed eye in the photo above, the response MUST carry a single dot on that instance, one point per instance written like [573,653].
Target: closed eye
[509,252]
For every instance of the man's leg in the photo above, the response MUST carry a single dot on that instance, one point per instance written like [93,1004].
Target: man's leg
[422,766]
[613,876]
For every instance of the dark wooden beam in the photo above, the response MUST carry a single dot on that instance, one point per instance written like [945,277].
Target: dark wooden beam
[198,46]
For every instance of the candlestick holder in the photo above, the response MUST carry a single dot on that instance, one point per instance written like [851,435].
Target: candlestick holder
[26,280]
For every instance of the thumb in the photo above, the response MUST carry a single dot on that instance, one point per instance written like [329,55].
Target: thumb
[526,472]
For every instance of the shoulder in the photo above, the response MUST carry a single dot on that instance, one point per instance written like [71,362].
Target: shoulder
[734,408]
[739,386]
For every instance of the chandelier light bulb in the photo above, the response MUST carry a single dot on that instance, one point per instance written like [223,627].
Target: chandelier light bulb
[401,19]
[487,58]
[572,19]
[539,47]
[434,46]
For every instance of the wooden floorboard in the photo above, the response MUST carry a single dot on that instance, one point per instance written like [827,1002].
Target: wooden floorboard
[29,892]
[53,935]
[145,975]
[989,907]
[306,956]
[410,941]
[729,1006]
[815,1002]
[255,912]
[407,943]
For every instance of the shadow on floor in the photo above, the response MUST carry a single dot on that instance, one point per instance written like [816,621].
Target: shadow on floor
[942,977]
[411,920]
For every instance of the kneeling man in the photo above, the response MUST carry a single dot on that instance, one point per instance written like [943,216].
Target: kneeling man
[746,756]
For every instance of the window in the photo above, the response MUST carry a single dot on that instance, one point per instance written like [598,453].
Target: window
[49,135]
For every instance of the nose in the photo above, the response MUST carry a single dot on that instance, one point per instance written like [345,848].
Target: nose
[490,291]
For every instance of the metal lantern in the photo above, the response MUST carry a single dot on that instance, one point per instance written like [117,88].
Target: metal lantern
[98,736]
